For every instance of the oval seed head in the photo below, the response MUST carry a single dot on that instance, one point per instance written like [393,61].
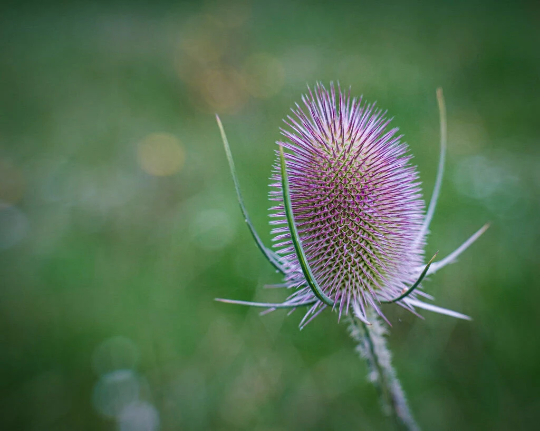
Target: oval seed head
[356,202]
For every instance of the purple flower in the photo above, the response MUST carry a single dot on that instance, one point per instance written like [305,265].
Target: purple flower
[349,221]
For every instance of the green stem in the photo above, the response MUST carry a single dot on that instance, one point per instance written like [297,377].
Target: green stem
[372,347]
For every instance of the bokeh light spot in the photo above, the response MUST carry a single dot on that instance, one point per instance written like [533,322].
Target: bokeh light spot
[478,177]
[114,391]
[493,182]
[264,75]
[139,416]
[220,90]
[161,154]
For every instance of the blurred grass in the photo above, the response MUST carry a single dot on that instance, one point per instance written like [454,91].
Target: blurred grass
[93,247]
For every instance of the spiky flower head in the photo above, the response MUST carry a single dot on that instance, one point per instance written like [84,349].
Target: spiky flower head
[356,201]
[349,223]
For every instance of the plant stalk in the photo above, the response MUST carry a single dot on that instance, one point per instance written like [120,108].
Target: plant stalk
[371,345]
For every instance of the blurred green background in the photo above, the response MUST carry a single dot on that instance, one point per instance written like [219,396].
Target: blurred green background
[119,223]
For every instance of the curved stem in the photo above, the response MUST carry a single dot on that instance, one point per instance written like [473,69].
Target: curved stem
[372,347]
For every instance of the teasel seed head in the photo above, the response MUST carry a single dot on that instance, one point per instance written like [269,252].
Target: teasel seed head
[349,220]
[356,201]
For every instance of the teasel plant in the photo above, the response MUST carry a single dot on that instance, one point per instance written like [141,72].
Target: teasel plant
[350,225]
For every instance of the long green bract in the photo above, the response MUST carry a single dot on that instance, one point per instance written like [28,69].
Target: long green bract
[306,270]
[266,304]
[440,170]
[269,254]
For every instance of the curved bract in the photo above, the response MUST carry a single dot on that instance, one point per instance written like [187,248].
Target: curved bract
[416,284]
[269,254]
[266,304]
[440,168]
[301,256]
